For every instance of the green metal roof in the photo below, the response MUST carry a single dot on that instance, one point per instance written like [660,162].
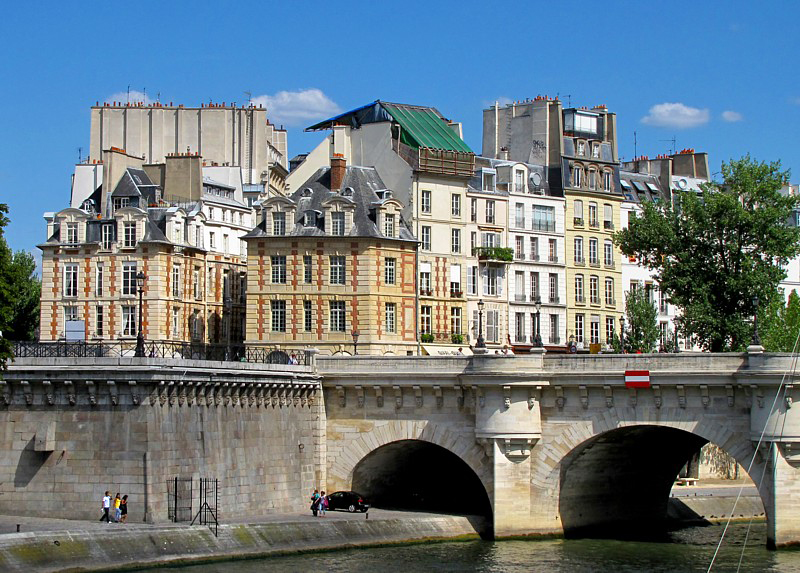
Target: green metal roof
[424,127]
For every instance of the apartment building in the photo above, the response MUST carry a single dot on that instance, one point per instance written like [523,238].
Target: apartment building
[420,156]
[189,250]
[333,266]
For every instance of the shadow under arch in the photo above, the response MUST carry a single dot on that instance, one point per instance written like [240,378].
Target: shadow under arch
[617,484]
[417,475]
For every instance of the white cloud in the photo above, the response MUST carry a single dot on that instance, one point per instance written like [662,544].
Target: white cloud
[297,107]
[676,115]
[732,116]
[133,97]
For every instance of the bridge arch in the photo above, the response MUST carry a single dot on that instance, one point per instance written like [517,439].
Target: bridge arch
[350,466]
[616,469]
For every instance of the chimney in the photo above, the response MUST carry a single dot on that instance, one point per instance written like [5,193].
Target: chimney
[338,167]
[503,153]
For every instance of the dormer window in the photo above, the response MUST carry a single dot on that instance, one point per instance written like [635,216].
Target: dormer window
[596,150]
[310,219]
[72,233]
[519,181]
[388,225]
[337,223]
[347,192]
[121,202]
[129,234]
[581,148]
[577,176]
[488,178]
[278,223]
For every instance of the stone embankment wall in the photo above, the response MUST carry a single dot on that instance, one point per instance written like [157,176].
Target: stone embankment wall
[132,429]
[121,549]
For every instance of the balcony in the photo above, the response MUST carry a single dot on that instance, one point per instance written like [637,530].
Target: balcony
[519,255]
[594,224]
[534,256]
[445,337]
[554,299]
[546,226]
[552,258]
[611,302]
[579,298]
[580,261]
[595,264]
[425,292]
[456,293]
[578,221]
[608,225]
[499,254]
[595,300]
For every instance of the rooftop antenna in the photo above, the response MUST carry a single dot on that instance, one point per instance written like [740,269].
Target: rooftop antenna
[144,95]
[80,154]
[634,145]
[249,96]
[674,144]
[129,93]
[158,97]
[568,96]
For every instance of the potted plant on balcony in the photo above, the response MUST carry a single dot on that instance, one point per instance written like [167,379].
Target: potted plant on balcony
[427,338]
[457,338]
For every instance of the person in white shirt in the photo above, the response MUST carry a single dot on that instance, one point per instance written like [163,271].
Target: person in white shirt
[106,507]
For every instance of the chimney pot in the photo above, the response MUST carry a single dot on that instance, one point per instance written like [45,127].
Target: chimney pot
[338,168]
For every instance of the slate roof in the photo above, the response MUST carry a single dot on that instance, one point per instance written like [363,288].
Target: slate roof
[134,183]
[366,186]
[640,187]
[476,181]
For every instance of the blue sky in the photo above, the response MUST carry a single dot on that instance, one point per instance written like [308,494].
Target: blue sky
[722,78]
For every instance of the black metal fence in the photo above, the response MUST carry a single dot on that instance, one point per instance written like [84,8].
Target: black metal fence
[208,514]
[179,499]
[161,349]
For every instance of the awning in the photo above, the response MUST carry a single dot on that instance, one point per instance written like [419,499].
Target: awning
[446,350]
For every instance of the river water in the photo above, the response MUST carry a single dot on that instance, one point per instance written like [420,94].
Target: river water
[684,551]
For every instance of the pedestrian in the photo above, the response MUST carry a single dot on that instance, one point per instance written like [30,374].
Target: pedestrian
[460,351]
[106,506]
[323,503]
[315,502]
[117,502]
[293,359]
[123,509]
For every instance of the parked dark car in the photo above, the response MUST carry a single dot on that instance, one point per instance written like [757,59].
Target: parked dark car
[347,501]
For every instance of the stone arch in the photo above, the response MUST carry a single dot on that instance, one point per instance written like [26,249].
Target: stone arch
[353,450]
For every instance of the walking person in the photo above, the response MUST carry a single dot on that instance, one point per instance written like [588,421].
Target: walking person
[117,502]
[123,509]
[106,506]
[315,502]
[323,503]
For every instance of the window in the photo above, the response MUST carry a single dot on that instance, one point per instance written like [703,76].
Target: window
[578,328]
[308,317]
[593,252]
[544,218]
[211,213]
[212,243]
[278,312]
[307,269]
[72,233]
[519,247]
[662,302]
[492,326]
[455,205]
[594,332]
[596,150]
[577,208]
[473,210]
[196,290]
[490,239]
[606,181]
[388,225]
[519,215]
[662,335]
[608,217]
[519,286]
[488,180]
[490,283]
[390,312]
[594,290]
[580,122]
[70,314]
[455,240]
[225,244]
[455,280]
[610,291]
[577,175]
[455,320]
[579,288]
[472,280]
[519,181]
[337,269]
[278,223]
[489,211]
[593,215]
[129,234]
[554,338]
[176,322]
[425,279]
[519,327]
[553,250]
[581,148]
[579,250]
[106,236]
[129,320]
[198,236]
[553,288]
[534,248]
[98,321]
[608,253]
[129,278]
[426,238]
[121,202]
[278,264]
[176,281]
[425,320]
[610,328]
[473,241]
[426,201]
[99,279]
[389,270]
[196,326]
[337,316]
[534,286]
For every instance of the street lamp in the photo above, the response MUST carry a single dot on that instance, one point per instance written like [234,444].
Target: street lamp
[537,341]
[355,334]
[480,343]
[140,278]
[756,338]
[622,333]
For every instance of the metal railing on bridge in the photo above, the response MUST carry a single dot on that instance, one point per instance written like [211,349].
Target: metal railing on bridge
[161,349]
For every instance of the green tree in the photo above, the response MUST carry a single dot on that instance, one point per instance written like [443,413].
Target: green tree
[713,253]
[641,324]
[19,294]
[778,324]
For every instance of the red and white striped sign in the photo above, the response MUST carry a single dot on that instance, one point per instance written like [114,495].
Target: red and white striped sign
[637,379]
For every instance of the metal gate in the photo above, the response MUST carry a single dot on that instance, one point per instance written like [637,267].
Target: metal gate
[179,497]
[208,514]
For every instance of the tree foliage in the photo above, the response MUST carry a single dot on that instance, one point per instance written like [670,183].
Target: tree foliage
[641,324]
[19,294]
[779,324]
[713,253]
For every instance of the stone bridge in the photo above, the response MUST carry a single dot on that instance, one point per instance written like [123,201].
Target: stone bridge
[551,444]
[540,444]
